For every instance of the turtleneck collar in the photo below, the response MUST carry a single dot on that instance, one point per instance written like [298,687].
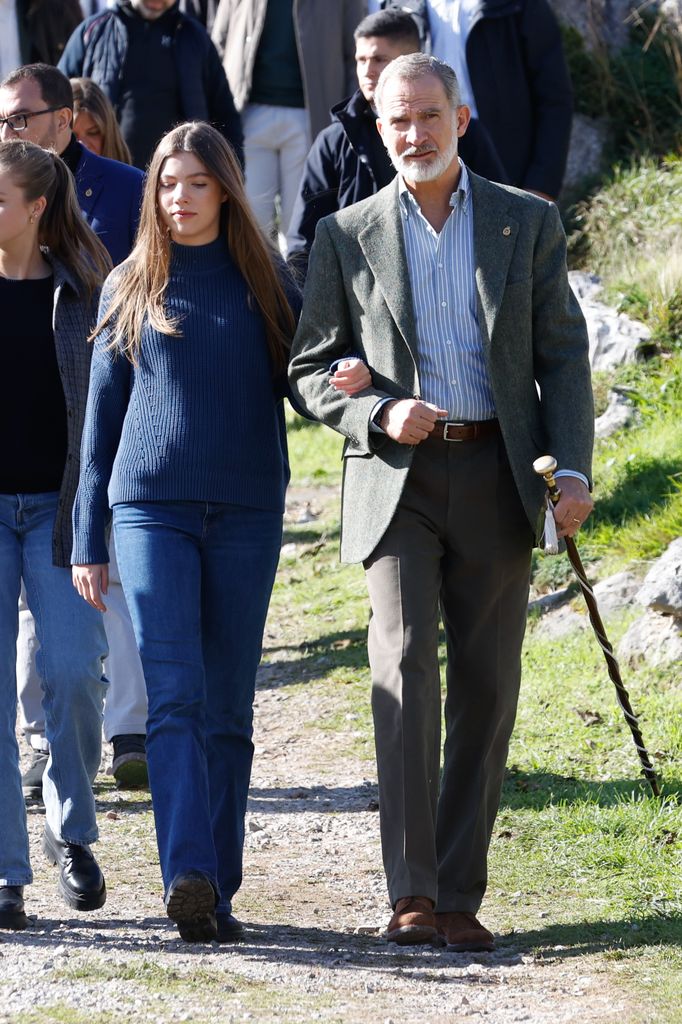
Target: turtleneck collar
[72,154]
[198,259]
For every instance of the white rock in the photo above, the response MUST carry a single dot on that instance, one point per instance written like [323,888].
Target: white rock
[560,623]
[614,338]
[672,10]
[654,638]
[616,592]
[586,286]
[619,413]
[585,149]
[662,587]
[549,602]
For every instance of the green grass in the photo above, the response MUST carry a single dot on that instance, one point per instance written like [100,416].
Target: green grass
[638,472]
[584,863]
[636,91]
[630,234]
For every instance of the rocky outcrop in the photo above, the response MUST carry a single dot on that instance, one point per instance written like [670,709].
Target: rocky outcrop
[605,22]
[588,138]
[672,10]
[656,637]
[615,339]
[619,413]
[600,22]
[662,587]
[616,592]
[603,25]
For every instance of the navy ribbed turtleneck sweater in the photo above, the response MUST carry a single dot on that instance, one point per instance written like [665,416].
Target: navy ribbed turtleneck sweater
[197,420]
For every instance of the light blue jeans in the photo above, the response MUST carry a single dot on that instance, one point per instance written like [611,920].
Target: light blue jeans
[72,648]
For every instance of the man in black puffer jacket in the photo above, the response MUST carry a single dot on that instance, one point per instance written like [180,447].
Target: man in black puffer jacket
[158,67]
[348,160]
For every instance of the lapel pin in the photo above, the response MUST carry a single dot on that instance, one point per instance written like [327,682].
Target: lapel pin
[88,193]
[506,231]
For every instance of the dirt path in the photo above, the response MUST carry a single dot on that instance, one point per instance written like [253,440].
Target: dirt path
[314,902]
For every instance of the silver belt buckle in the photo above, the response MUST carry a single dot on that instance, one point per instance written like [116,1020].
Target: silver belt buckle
[446,427]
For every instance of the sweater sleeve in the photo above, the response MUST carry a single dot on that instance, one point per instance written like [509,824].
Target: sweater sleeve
[106,409]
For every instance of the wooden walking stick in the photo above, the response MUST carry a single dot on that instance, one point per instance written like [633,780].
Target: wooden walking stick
[545,467]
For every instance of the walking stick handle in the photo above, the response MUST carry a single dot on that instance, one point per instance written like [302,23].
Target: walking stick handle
[546,466]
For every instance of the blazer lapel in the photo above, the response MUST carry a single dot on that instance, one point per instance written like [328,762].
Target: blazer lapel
[494,241]
[383,246]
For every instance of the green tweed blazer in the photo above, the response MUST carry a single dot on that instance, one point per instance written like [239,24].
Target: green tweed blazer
[358,300]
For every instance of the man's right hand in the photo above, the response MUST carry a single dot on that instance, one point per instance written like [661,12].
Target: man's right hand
[409,421]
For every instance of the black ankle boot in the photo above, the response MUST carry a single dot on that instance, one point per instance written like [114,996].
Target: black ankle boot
[12,907]
[81,882]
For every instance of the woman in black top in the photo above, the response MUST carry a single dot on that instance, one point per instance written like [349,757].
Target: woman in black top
[51,266]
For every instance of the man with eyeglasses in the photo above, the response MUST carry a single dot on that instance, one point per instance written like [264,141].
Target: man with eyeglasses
[36,104]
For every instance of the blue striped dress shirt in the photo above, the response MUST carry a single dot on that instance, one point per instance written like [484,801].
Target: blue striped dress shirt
[441,266]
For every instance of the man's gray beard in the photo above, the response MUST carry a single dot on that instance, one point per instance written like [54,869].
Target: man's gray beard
[417,171]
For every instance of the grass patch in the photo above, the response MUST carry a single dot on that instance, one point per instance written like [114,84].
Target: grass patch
[638,472]
[317,454]
[630,234]
[637,90]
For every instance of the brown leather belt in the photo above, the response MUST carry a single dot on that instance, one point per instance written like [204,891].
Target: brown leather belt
[450,430]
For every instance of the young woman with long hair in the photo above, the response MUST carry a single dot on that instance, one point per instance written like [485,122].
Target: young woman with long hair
[51,267]
[185,440]
[94,121]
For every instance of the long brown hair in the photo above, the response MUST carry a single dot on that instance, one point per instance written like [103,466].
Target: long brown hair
[62,229]
[89,98]
[140,283]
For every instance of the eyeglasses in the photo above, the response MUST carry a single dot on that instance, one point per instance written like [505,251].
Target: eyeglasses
[19,122]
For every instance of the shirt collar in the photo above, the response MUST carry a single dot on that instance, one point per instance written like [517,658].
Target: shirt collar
[459,199]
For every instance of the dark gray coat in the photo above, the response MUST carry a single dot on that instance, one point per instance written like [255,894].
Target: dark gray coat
[72,320]
[358,299]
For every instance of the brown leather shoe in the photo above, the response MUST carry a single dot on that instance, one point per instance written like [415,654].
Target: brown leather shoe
[463,932]
[413,923]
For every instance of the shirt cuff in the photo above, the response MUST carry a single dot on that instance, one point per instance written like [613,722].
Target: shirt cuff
[333,367]
[572,472]
[375,416]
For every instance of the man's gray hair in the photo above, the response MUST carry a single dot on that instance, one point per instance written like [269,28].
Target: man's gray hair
[413,66]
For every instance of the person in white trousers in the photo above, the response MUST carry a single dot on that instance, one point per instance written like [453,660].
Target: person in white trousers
[125,706]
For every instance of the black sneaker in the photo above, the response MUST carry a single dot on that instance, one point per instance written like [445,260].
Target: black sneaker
[129,766]
[32,779]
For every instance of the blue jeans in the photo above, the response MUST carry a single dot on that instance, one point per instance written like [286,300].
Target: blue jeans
[197,578]
[72,648]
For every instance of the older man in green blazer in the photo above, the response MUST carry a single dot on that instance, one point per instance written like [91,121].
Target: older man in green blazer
[454,291]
